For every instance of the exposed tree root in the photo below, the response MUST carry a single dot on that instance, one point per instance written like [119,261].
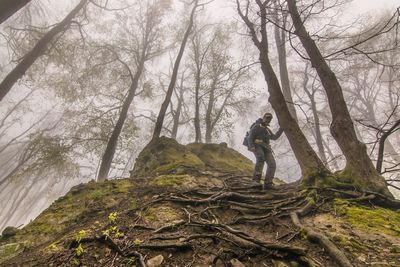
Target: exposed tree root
[213,220]
[337,255]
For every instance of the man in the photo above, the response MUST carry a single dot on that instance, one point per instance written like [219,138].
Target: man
[258,141]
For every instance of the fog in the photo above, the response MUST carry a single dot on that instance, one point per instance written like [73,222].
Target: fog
[56,120]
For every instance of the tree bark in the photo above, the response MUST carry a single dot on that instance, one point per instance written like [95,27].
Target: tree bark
[38,50]
[210,105]
[199,66]
[167,100]
[317,126]
[382,145]
[178,110]
[307,158]
[359,167]
[9,7]
[280,40]
[197,128]
[112,141]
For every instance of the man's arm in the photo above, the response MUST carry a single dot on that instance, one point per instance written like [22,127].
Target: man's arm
[277,134]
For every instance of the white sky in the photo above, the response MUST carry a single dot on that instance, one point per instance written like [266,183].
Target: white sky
[367,6]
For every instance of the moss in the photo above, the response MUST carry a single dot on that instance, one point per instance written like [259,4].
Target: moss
[221,158]
[172,180]
[53,247]
[376,220]
[357,245]
[162,214]
[121,186]
[303,234]
[9,250]
[325,180]
[351,243]
[96,194]
[133,205]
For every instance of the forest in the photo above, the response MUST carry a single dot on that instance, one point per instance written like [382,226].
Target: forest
[85,85]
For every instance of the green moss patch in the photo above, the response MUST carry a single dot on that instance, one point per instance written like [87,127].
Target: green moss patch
[162,214]
[222,158]
[165,156]
[174,180]
[376,220]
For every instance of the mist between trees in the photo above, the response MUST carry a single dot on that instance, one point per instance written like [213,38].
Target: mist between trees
[87,85]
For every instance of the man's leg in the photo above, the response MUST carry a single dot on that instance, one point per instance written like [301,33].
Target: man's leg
[271,167]
[258,168]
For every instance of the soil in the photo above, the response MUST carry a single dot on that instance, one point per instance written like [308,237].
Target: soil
[213,225]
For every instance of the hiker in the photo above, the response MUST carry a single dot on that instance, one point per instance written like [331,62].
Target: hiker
[258,143]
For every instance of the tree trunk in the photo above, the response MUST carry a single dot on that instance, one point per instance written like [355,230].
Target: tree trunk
[197,108]
[359,167]
[382,145]
[317,126]
[210,105]
[167,100]
[112,142]
[9,7]
[330,153]
[280,39]
[38,50]
[308,160]
[178,111]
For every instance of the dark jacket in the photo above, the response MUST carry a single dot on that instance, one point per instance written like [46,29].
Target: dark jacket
[260,135]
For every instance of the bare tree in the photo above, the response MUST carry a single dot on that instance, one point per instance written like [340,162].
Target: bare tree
[224,82]
[178,111]
[145,51]
[200,48]
[280,40]
[358,163]
[38,50]
[9,7]
[311,95]
[167,100]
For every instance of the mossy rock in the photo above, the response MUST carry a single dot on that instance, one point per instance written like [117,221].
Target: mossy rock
[9,231]
[221,158]
[166,156]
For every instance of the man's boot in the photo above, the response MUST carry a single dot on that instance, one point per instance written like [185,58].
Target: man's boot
[256,180]
[267,184]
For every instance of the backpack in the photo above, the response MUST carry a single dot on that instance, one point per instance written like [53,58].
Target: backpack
[246,138]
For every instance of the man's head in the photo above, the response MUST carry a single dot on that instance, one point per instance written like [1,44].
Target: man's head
[266,119]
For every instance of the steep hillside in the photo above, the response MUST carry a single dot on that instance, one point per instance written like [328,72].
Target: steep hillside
[193,206]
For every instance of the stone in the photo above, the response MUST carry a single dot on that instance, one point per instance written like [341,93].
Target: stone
[155,261]
[223,144]
[9,231]
[236,263]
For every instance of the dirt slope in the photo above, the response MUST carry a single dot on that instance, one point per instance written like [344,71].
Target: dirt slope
[205,216]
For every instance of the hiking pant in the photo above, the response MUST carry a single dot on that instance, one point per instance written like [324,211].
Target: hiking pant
[263,154]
